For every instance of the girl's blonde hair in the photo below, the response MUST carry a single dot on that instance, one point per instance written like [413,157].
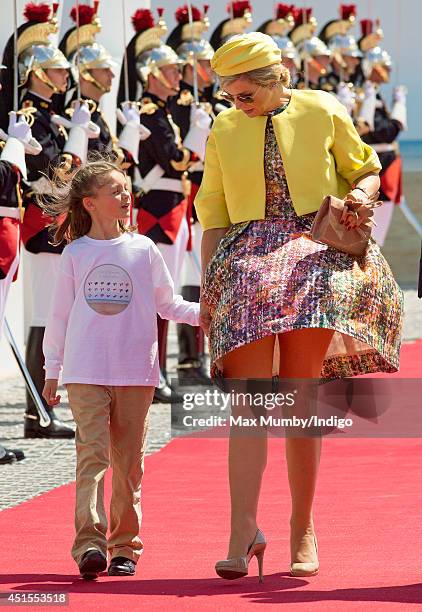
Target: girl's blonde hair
[63,202]
[269,75]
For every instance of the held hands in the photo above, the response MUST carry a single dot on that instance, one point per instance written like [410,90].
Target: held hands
[50,392]
[400,94]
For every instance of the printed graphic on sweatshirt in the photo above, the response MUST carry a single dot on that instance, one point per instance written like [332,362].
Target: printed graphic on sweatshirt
[108,289]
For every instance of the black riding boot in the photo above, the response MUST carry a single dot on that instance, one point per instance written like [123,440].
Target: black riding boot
[35,363]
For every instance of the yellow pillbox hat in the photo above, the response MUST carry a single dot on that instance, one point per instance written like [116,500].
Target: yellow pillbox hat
[245,52]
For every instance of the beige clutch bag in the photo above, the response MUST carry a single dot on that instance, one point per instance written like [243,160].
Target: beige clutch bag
[327,228]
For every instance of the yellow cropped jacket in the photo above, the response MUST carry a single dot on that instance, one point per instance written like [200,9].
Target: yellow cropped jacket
[321,150]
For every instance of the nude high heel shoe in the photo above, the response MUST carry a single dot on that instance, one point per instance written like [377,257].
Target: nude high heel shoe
[309,568]
[236,567]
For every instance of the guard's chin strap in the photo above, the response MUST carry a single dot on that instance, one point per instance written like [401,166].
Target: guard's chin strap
[42,75]
[202,72]
[156,72]
[88,77]
[317,66]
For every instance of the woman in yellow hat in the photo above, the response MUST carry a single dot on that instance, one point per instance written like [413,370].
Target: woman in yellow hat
[269,290]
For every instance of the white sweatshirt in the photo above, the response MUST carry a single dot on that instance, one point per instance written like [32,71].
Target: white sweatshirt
[102,324]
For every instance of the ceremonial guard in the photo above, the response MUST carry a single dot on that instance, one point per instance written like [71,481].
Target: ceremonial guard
[279,28]
[314,54]
[164,161]
[378,126]
[43,71]
[196,54]
[92,72]
[346,55]
[15,143]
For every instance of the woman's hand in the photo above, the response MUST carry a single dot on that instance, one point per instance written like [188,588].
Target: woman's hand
[204,317]
[358,200]
[49,392]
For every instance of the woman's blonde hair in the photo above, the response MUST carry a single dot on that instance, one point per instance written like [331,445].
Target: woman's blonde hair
[64,201]
[269,75]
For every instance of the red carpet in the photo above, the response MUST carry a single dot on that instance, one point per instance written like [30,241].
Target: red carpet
[368,519]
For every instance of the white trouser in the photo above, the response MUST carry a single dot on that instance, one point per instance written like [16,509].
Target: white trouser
[5,286]
[173,254]
[382,217]
[40,278]
[191,272]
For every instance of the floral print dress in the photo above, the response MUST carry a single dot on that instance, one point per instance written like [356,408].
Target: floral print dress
[268,276]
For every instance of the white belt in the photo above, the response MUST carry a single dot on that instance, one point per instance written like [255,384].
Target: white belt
[384,147]
[196,167]
[168,184]
[8,211]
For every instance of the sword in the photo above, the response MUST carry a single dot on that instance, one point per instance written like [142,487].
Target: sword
[195,68]
[42,412]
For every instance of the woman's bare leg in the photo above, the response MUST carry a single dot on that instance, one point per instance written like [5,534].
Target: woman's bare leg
[247,454]
[302,354]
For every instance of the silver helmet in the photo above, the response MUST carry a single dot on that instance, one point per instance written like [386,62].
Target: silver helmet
[35,51]
[187,38]
[304,38]
[82,49]
[279,29]
[374,57]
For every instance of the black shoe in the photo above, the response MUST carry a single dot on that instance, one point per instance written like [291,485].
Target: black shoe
[20,455]
[56,429]
[6,456]
[92,563]
[121,566]
[164,394]
[190,374]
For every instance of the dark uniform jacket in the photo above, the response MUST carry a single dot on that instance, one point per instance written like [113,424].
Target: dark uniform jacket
[161,212]
[386,131]
[35,234]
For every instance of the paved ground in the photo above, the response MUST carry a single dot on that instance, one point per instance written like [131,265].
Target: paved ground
[50,463]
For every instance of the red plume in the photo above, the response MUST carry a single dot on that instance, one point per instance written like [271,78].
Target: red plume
[96,4]
[55,7]
[302,16]
[366,27]
[239,8]
[283,10]
[182,14]
[160,12]
[347,11]
[39,13]
[206,8]
[142,20]
[86,14]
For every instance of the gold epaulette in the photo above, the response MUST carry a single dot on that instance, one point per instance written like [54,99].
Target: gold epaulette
[147,106]
[186,98]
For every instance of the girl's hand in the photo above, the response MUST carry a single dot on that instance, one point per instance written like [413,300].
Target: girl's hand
[204,317]
[50,392]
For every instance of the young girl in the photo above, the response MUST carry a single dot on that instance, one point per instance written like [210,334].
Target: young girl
[102,329]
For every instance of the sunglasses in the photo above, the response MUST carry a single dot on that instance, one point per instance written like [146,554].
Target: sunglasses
[244,98]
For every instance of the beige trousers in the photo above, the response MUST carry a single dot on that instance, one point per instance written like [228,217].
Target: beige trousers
[111,426]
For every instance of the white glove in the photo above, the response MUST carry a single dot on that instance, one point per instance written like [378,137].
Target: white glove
[133,131]
[196,138]
[367,110]
[399,111]
[81,129]
[19,141]
[346,96]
